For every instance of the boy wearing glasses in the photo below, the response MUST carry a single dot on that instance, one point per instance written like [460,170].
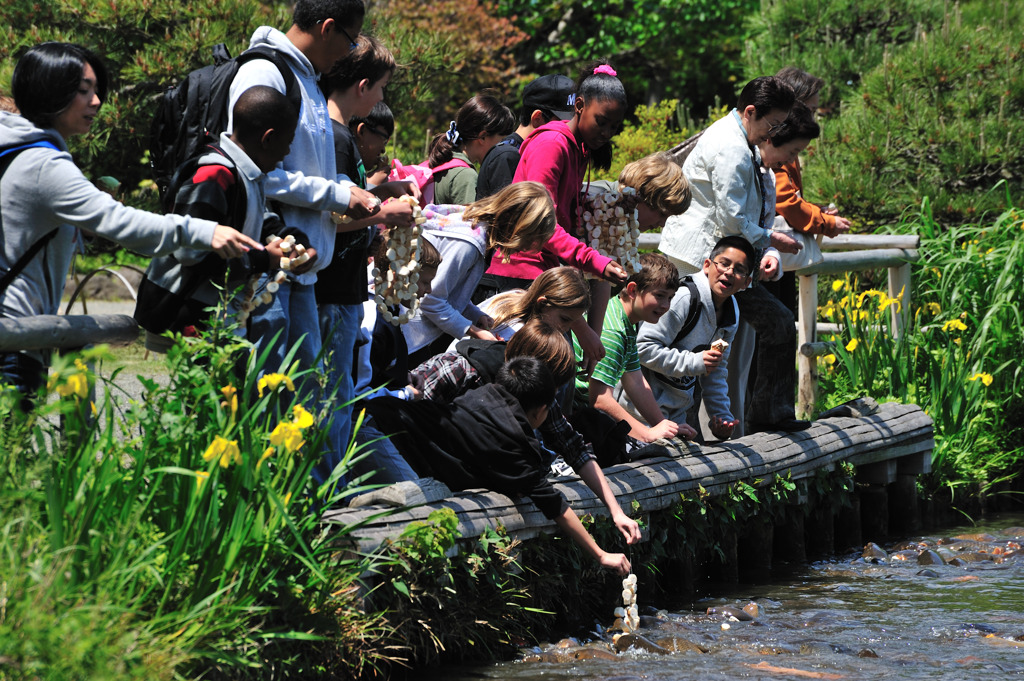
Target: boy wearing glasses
[683,346]
[733,195]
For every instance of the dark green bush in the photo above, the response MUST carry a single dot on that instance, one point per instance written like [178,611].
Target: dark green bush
[937,118]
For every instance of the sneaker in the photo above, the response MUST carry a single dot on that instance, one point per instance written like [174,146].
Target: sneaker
[560,469]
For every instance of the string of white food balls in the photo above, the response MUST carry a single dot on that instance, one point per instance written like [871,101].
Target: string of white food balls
[249,299]
[611,226]
[628,613]
[396,284]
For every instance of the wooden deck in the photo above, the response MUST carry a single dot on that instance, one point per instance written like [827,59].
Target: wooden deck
[896,440]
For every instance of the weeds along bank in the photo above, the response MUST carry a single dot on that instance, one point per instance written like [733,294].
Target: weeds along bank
[959,358]
[179,539]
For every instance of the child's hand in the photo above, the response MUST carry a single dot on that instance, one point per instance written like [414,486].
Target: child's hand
[361,204]
[485,322]
[229,243]
[629,528]
[721,427]
[615,273]
[306,266]
[686,432]
[769,269]
[712,358]
[617,562]
[667,428]
[483,334]
[593,349]
[396,214]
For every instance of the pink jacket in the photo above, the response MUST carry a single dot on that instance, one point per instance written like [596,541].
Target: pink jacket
[552,157]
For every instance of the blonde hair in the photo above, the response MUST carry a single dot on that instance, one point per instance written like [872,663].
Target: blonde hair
[659,182]
[539,339]
[518,217]
[562,287]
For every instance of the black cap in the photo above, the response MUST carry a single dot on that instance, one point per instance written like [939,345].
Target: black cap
[551,94]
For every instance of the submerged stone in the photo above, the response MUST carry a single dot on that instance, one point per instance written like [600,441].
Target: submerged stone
[930,558]
[731,611]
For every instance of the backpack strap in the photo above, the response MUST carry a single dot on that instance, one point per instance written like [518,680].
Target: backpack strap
[448,165]
[6,157]
[693,314]
[291,83]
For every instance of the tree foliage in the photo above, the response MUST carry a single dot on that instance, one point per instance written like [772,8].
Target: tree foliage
[837,41]
[146,44]
[934,119]
[448,50]
[688,50]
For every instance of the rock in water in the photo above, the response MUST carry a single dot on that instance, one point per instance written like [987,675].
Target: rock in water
[873,551]
[930,557]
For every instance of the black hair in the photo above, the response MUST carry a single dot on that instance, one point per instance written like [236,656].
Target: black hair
[309,13]
[380,117]
[526,115]
[370,61]
[804,85]
[766,93]
[482,115]
[600,87]
[737,242]
[261,108]
[529,380]
[799,125]
[48,76]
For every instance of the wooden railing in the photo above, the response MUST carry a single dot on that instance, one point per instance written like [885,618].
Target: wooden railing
[847,253]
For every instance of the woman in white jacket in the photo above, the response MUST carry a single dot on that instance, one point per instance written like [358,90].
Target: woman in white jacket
[46,201]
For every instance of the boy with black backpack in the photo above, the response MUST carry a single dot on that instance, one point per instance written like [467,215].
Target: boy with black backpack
[225,183]
[691,341]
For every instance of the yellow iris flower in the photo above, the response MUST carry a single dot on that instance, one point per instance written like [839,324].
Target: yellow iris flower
[273,382]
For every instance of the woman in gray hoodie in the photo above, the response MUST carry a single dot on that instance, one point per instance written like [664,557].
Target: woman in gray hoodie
[46,201]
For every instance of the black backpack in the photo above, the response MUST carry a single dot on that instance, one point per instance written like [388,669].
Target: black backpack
[195,111]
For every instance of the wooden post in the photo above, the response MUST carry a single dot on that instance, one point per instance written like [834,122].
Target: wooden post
[874,512]
[899,287]
[904,511]
[808,366]
[754,549]
[847,528]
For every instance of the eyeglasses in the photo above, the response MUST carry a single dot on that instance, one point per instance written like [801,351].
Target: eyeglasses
[732,268]
[352,42]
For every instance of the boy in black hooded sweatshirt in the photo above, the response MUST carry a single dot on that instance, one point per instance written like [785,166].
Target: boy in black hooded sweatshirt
[485,438]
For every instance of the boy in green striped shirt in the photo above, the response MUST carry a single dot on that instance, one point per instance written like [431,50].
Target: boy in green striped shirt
[646,296]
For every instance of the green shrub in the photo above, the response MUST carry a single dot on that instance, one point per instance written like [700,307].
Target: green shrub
[838,41]
[935,119]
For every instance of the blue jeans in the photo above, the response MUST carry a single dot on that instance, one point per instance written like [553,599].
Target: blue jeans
[339,328]
[293,314]
[24,374]
[382,461]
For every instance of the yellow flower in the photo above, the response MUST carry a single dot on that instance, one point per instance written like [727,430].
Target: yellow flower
[829,358]
[934,308]
[230,394]
[226,449]
[985,378]
[273,382]
[81,366]
[955,324]
[300,417]
[93,409]
[287,434]
[838,285]
[852,345]
[201,477]
[77,384]
[266,455]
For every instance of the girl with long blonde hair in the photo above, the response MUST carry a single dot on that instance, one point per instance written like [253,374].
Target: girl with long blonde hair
[519,218]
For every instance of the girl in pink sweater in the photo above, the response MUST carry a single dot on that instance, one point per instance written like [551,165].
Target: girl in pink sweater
[558,155]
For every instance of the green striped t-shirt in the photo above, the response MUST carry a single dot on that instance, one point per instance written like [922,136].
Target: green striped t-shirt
[618,335]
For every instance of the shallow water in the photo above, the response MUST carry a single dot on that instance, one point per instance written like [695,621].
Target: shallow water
[846,618]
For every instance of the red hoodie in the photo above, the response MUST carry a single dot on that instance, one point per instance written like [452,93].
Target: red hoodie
[553,157]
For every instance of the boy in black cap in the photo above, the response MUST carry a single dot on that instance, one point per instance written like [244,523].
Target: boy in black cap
[544,100]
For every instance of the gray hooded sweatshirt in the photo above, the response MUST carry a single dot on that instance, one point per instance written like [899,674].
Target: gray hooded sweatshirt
[43,190]
[675,366]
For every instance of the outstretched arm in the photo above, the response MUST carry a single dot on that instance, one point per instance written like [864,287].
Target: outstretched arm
[572,526]
[591,474]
